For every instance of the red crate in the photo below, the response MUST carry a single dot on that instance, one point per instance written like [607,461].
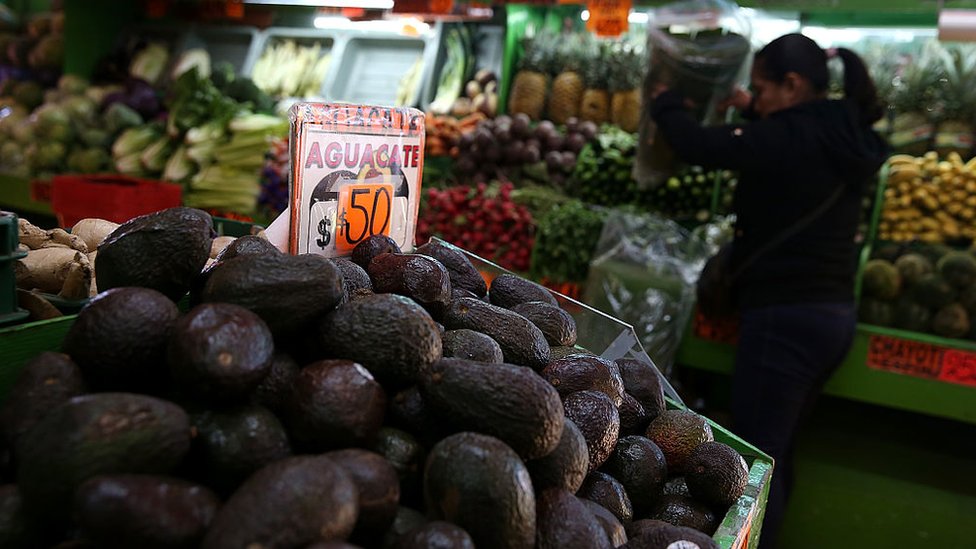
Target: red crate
[116,198]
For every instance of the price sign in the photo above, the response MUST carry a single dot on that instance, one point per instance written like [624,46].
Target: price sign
[364,210]
[924,360]
[608,17]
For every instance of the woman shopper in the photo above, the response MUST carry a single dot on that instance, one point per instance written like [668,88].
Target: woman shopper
[804,161]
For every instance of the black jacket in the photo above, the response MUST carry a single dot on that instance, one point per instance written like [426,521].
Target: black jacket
[789,164]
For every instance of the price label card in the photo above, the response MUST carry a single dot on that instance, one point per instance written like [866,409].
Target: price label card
[355,172]
[608,17]
[924,360]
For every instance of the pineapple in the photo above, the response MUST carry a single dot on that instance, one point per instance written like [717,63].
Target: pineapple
[913,97]
[528,94]
[567,87]
[595,106]
[958,102]
[626,73]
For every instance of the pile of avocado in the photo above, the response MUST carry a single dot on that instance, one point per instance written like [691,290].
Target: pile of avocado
[386,400]
[927,288]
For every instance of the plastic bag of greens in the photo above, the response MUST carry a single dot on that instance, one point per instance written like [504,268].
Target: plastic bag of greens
[644,273]
[698,48]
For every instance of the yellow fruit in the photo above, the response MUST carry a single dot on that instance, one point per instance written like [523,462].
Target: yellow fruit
[595,106]
[625,109]
[564,100]
[528,94]
[902,159]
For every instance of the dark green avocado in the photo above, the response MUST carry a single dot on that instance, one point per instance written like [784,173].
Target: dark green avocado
[509,402]
[509,290]
[639,465]
[599,422]
[564,521]
[436,535]
[421,278]
[653,534]
[335,404]
[642,381]
[288,292]
[480,484]
[558,326]
[463,273]
[633,419]
[409,411]
[471,345]
[119,339]
[247,245]
[46,381]
[684,511]
[164,251]
[355,279]
[290,503]
[379,491]
[716,474]
[521,341]
[602,488]
[274,392]
[406,520]
[220,351]
[391,335]
[122,511]
[104,433]
[406,455]
[585,373]
[373,246]
[16,530]
[566,466]
[610,524]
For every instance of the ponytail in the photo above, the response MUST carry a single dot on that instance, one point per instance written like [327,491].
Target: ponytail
[859,87]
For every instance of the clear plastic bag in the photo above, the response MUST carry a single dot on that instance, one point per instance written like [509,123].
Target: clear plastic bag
[644,273]
[698,48]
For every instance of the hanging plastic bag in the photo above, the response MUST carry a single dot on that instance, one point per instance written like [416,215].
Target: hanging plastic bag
[644,273]
[698,48]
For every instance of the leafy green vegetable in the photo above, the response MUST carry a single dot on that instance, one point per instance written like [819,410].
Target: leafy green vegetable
[565,241]
[134,140]
[119,117]
[197,101]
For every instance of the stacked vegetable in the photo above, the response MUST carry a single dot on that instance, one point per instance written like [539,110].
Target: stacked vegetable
[603,174]
[39,48]
[289,69]
[481,219]
[566,238]
[443,133]
[688,195]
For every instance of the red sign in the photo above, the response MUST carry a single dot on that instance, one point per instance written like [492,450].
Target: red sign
[423,6]
[716,330]
[924,360]
[608,17]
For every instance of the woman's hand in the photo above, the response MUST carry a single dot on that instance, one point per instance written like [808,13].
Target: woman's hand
[740,100]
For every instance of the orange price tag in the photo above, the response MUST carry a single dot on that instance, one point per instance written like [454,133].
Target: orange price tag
[364,210]
[608,17]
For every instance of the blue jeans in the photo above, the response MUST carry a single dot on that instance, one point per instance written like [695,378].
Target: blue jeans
[784,357]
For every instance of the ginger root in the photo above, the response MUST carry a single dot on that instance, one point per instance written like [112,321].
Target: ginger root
[57,270]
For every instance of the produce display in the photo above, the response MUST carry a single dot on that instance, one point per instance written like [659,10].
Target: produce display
[920,287]
[929,199]
[39,49]
[289,69]
[443,133]
[603,174]
[297,384]
[565,242]
[689,194]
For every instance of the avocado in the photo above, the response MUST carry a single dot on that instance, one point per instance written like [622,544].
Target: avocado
[912,267]
[463,273]
[144,511]
[566,466]
[406,520]
[585,373]
[685,511]
[335,404]
[876,312]
[677,433]
[912,316]
[644,527]
[521,341]
[231,444]
[409,411]
[967,298]
[563,521]
[509,290]
[418,277]
[655,535]
[405,454]
[274,391]
[436,535]
[640,467]
[331,545]
[557,325]
[104,433]
[881,279]
[16,530]
[559,351]
[633,419]
[471,345]
[247,245]
[676,486]
[45,382]
[290,503]
[643,382]
[163,251]
[506,401]
[458,293]
[288,292]
[119,339]
[378,487]
[599,422]
[480,484]
[610,524]
[951,321]
[933,292]
[958,269]
[372,246]
[355,279]
[392,336]
[602,488]
[717,475]
[220,352]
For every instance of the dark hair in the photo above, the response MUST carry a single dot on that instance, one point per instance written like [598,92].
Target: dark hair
[799,54]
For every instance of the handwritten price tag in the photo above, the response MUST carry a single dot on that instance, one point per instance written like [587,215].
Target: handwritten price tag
[923,360]
[364,210]
[608,17]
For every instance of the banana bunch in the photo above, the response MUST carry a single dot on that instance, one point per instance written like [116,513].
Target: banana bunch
[929,199]
[287,69]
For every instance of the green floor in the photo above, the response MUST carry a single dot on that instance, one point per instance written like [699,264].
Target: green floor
[872,477]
